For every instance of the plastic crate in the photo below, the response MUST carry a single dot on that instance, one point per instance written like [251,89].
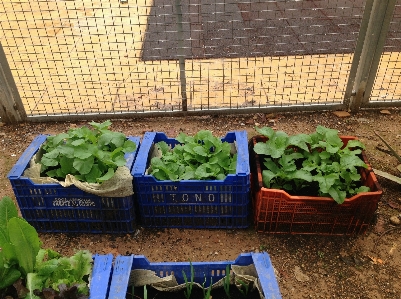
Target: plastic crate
[101,276]
[275,211]
[215,270]
[54,208]
[193,203]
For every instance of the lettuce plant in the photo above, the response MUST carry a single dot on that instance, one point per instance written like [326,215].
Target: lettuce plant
[200,157]
[90,154]
[60,273]
[21,256]
[19,243]
[312,161]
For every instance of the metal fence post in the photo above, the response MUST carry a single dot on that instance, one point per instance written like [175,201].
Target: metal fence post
[181,58]
[373,33]
[11,108]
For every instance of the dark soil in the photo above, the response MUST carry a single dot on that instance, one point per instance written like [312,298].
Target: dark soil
[197,293]
[9,292]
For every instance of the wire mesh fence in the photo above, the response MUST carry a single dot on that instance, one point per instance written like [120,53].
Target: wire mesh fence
[387,85]
[80,57]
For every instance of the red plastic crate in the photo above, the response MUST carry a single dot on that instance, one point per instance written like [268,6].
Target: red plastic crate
[276,211]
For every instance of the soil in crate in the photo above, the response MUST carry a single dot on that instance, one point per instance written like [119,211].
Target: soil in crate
[9,292]
[197,293]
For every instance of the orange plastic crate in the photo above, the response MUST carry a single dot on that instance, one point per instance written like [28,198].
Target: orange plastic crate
[276,211]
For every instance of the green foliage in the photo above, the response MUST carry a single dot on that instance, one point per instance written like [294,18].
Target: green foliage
[226,282]
[207,291]
[91,155]
[201,157]
[25,240]
[33,282]
[189,284]
[244,289]
[8,274]
[19,243]
[315,161]
[53,270]
[21,256]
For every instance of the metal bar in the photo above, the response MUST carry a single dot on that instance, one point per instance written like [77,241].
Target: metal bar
[382,104]
[132,115]
[373,44]
[181,55]
[358,51]
[11,107]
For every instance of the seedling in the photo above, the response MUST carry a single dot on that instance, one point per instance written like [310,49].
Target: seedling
[226,281]
[244,288]
[206,292]
[189,285]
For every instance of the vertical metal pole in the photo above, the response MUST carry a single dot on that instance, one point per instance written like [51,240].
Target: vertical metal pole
[349,92]
[11,108]
[181,55]
[388,15]
[373,43]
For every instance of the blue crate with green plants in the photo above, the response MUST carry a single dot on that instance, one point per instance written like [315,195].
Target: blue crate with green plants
[51,207]
[193,194]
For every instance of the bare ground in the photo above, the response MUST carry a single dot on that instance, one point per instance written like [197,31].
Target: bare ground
[363,266]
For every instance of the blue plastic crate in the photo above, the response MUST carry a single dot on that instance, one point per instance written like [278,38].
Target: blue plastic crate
[54,208]
[123,265]
[101,276]
[193,203]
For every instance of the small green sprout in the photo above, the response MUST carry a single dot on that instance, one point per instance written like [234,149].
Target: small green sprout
[190,284]
[206,292]
[226,281]
[244,287]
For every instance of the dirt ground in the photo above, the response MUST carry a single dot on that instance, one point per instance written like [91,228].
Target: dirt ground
[363,266]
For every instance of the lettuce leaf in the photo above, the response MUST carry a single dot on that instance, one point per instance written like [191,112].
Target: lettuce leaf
[26,243]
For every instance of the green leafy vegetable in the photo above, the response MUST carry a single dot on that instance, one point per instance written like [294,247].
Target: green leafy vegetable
[8,275]
[21,256]
[54,270]
[26,242]
[200,157]
[7,211]
[315,161]
[19,243]
[91,155]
